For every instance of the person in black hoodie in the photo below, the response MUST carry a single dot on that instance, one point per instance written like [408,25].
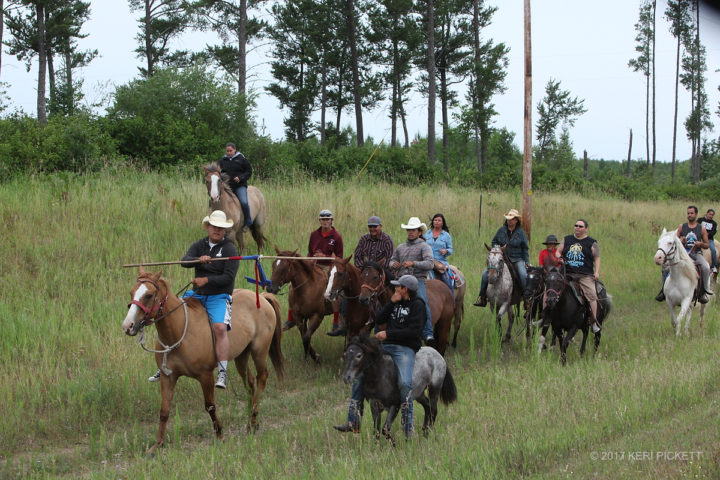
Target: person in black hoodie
[404,317]
[238,169]
[213,284]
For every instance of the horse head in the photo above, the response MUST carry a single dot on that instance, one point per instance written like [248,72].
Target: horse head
[667,246]
[149,296]
[495,264]
[554,285]
[372,282]
[338,278]
[213,181]
[360,353]
[534,284]
[282,270]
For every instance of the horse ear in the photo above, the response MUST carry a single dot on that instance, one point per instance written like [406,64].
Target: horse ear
[664,231]
[277,250]
[486,246]
[347,260]
[157,276]
[141,270]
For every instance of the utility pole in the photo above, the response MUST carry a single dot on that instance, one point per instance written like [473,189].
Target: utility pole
[527,145]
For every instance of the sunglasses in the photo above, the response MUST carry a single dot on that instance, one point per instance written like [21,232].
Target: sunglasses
[579,226]
[373,226]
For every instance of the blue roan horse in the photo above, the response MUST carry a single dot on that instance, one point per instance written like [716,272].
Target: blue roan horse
[566,312]
[380,381]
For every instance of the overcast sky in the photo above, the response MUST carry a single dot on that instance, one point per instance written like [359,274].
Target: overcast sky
[584,44]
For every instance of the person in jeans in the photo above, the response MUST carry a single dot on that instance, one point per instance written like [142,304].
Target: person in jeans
[711,229]
[239,171]
[404,317]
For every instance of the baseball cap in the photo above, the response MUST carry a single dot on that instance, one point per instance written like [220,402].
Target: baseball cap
[407,281]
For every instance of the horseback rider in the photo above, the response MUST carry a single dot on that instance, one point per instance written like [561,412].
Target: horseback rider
[694,236]
[439,239]
[213,284]
[711,227]
[238,169]
[511,237]
[404,316]
[581,256]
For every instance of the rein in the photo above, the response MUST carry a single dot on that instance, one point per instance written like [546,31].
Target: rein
[671,251]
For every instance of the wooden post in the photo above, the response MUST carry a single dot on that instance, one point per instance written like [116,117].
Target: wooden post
[627,169]
[585,164]
[527,144]
[480,216]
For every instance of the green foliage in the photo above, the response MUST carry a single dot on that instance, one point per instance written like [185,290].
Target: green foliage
[74,143]
[176,116]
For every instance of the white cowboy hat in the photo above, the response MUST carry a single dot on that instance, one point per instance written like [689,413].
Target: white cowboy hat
[512,214]
[414,223]
[217,219]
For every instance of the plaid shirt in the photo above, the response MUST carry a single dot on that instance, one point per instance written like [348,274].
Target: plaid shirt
[373,249]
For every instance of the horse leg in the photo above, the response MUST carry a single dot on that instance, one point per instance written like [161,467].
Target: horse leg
[458,316]
[241,363]
[303,330]
[597,340]
[584,340]
[428,421]
[688,316]
[376,411]
[207,382]
[259,359]
[559,335]
[673,318]
[167,390]
[313,325]
[511,320]
[389,419]
[258,235]
[240,240]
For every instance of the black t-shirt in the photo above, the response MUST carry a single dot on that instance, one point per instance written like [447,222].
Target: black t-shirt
[578,255]
[710,226]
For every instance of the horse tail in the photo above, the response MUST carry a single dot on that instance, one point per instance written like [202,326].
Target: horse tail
[448,391]
[607,307]
[276,355]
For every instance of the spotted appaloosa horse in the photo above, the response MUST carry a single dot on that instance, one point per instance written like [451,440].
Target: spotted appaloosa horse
[500,292]
[223,198]
[184,345]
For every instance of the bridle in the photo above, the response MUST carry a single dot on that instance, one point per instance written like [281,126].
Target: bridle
[499,267]
[375,291]
[670,254]
[558,293]
[151,314]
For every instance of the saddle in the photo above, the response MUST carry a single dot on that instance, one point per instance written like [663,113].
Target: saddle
[580,295]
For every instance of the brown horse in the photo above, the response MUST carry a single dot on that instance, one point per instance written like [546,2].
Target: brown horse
[345,278]
[460,287]
[376,289]
[307,294]
[185,337]
[223,198]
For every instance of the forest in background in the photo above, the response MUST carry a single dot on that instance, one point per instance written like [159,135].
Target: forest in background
[335,57]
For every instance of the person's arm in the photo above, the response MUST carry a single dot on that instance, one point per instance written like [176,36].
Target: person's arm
[705,242]
[449,246]
[359,256]
[245,169]
[230,268]
[559,249]
[428,259]
[387,248]
[596,263]
[499,238]
[395,260]
[524,247]
[193,253]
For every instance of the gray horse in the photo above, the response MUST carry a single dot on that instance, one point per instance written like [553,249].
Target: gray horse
[380,385]
[500,293]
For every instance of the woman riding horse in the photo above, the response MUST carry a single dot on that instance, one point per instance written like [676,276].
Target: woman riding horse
[239,171]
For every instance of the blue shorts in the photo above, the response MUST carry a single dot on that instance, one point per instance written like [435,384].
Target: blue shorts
[217,306]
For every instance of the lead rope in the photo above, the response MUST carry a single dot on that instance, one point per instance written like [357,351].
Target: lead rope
[166,349]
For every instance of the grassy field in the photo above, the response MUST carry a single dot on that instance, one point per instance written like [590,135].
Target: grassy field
[75,402]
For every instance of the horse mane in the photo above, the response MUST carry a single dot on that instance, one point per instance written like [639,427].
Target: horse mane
[214,167]
[381,268]
[686,263]
[306,265]
[367,344]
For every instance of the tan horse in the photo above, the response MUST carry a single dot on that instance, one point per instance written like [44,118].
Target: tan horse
[376,290]
[713,280]
[460,287]
[223,198]
[184,344]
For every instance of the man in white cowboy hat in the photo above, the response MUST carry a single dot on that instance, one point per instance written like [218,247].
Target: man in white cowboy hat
[213,284]
[415,257]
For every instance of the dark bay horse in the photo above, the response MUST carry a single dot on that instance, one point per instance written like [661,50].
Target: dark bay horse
[184,345]
[223,198]
[306,298]
[376,289]
[380,381]
[345,279]
[567,311]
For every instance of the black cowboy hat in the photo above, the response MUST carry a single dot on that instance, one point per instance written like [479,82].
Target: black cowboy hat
[551,239]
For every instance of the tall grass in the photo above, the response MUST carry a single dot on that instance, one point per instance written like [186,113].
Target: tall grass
[75,400]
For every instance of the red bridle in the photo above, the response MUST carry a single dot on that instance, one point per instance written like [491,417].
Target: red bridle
[150,313]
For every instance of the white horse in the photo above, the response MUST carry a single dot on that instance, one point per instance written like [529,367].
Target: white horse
[680,284]
[500,289]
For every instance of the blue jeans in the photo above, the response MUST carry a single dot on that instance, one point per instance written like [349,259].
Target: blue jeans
[422,293]
[713,254]
[241,193]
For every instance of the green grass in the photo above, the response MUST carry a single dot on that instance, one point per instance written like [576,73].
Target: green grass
[74,400]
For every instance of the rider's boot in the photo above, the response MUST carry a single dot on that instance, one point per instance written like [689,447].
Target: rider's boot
[481,301]
[660,297]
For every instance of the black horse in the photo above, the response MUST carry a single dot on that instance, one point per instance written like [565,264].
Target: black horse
[533,298]
[567,312]
[380,381]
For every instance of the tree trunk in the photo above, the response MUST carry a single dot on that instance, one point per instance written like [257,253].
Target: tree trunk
[323,103]
[355,72]
[698,105]
[242,48]
[480,149]
[627,169]
[404,122]
[527,147]
[647,117]
[148,43]
[585,165]
[52,98]
[395,87]
[69,88]
[2,26]
[652,56]
[444,115]
[675,115]
[431,79]
[42,64]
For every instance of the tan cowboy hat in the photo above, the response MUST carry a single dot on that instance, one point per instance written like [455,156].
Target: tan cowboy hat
[414,223]
[512,214]
[217,219]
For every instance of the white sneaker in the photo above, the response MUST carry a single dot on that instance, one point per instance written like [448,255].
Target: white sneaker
[155,377]
[222,377]
[714,269]
[595,327]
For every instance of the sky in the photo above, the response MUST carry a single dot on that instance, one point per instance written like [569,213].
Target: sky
[583,44]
